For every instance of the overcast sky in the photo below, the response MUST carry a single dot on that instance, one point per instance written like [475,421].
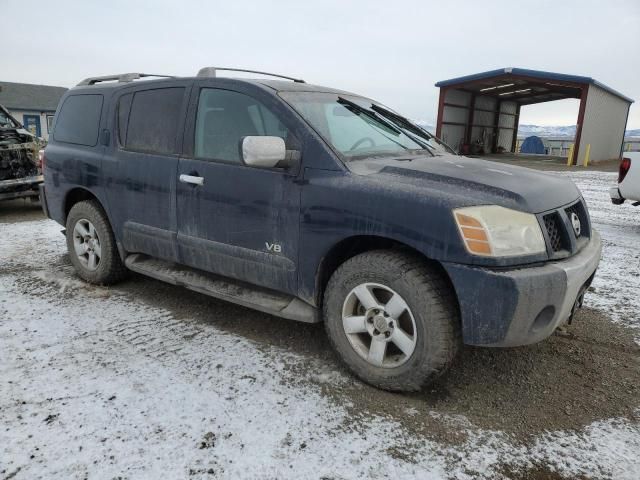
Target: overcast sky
[393,51]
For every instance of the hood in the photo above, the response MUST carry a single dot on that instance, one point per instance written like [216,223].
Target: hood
[474,181]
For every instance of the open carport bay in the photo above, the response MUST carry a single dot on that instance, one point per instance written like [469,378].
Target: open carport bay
[148,380]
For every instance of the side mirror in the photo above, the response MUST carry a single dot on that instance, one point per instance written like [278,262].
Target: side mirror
[264,152]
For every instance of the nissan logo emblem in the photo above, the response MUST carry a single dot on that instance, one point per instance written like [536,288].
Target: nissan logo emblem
[575,223]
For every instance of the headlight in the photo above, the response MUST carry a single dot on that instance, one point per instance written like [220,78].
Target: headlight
[493,231]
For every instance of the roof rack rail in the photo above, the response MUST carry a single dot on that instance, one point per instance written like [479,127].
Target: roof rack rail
[120,77]
[211,72]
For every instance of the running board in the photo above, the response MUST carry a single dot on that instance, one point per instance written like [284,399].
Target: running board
[234,291]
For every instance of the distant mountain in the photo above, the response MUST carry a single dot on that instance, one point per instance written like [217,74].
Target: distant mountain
[538,130]
[551,131]
[546,131]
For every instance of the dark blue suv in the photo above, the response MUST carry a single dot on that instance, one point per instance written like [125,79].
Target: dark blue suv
[315,204]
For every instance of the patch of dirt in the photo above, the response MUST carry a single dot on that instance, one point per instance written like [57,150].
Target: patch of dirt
[589,373]
[535,472]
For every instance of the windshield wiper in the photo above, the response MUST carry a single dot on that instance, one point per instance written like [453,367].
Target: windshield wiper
[354,107]
[411,130]
[405,122]
[409,125]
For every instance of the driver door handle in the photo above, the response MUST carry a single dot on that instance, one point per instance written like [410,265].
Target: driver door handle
[191,179]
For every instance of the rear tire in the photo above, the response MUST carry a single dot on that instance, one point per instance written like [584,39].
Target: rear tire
[92,246]
[393,319]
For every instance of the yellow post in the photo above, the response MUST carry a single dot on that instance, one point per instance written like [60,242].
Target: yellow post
[586,155]
[570,157]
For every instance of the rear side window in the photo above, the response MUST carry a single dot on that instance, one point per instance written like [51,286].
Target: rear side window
[152,121]
[79,120]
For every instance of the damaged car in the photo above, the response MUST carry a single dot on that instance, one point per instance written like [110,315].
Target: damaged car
[20,164]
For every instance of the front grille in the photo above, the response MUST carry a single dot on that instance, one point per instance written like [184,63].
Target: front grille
[552,223]
[561,236]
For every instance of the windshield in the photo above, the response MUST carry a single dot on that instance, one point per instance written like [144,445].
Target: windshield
[6,121]
[358,128]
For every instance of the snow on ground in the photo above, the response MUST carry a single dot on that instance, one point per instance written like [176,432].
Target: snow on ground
[95,383]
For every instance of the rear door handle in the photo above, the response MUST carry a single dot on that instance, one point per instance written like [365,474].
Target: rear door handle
[191,179]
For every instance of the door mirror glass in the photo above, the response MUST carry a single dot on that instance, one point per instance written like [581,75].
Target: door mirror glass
[264,152]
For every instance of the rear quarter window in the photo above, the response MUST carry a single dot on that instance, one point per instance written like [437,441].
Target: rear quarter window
[78,121]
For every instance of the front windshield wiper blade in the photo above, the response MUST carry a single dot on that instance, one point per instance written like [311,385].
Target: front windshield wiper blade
[369,113]
[408,124]
[410,128]
[405,122]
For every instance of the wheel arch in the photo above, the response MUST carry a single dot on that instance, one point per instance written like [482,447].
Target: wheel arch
[351,246]
[79,194]
[75,195]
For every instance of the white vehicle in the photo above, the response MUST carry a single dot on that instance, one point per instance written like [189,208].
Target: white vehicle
[628,187]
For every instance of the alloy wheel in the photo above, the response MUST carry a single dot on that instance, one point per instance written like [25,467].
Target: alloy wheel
[379,325]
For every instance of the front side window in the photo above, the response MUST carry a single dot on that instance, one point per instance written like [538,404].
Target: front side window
[358,128]
[79,120]
[152,121]
[224,117]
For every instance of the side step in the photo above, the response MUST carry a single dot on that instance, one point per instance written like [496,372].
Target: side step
[234,291]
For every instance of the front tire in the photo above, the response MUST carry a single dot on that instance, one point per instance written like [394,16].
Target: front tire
[92,246]
[393,319]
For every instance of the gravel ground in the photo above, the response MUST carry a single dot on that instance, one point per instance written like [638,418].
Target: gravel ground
[147,380]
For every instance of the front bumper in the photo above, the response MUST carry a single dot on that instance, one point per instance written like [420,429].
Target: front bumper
[616,198]
[505,308]
[20,187]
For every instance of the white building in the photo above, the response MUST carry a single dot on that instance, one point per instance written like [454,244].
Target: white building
[32,105]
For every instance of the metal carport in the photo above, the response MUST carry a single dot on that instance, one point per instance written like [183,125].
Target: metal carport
[484,109]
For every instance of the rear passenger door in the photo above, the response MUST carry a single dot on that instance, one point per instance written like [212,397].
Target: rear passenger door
[141,169]
[242,222]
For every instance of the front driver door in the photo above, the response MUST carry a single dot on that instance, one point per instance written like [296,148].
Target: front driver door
[241,222]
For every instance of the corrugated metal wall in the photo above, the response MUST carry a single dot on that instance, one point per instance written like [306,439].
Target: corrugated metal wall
[483,121]
[507,120]
[453,135]
[605,117]
[455,116]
